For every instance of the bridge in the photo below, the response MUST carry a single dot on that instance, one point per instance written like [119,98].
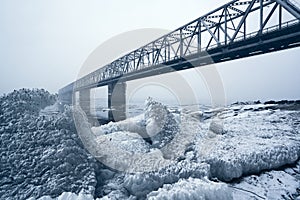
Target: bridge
[224,34]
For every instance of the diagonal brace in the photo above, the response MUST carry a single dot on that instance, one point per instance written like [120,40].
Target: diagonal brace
[293,10]
[243,19]
[211,33]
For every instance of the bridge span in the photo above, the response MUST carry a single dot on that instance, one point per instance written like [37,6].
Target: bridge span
[224,34]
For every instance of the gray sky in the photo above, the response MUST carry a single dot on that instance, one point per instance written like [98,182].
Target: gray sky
[43,44]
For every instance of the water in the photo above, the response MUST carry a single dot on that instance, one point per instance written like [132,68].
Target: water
[134,109]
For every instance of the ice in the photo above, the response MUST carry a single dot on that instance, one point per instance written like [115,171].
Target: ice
[257,145]
[135,124]
[226,145]
[161,125]
[178,154]
[268,185]
[232,158]
[128,145]
[156,123]
[67,196]
[40,155]
[127,141]
[192,189]
[140,184]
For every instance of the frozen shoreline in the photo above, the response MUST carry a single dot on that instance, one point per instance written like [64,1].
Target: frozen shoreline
[42,154]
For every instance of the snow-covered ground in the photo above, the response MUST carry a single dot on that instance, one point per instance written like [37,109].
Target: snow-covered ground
[243,151]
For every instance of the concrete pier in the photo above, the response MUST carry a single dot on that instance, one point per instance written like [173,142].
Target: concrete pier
[65,98]
[85,101]
[117,101]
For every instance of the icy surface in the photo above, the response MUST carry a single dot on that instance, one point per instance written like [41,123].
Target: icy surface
[263,141]
[157,125]
[67,196]
[40,155]
[161,125]
[235,142]
[238,152]
[192,189]
[140,184]
[135,124]
[268,185]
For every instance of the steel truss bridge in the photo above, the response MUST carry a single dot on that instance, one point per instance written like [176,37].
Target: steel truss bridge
[238,29]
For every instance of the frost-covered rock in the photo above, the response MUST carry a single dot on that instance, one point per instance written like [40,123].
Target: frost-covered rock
[192,189]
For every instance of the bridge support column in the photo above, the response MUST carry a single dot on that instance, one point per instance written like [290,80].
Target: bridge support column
[85,101]
[66,98]
[117,101]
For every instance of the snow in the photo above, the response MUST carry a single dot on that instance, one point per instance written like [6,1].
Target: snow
[268,185]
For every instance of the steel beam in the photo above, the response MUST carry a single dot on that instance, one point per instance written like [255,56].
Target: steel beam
[243,20]
[293,10]
[178,43]
[210,32]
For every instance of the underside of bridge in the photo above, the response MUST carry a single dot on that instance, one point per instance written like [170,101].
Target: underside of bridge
[222,35]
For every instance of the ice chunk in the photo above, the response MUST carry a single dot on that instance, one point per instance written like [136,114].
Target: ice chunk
[161,125]
[216,126]
[232,157]
[135,124]
[140,184]
[68,196]
[254,141]
[192,189]
[127,141]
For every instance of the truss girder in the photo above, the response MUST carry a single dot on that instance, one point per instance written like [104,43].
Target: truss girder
[220,27]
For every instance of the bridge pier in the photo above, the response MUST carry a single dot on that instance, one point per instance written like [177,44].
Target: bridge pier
[65,98]
[85,101]
[117,101]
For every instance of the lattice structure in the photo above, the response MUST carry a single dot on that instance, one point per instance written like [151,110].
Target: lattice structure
[234,22]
